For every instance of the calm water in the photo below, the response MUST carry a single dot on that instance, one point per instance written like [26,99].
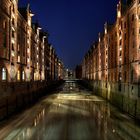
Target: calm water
[72,114]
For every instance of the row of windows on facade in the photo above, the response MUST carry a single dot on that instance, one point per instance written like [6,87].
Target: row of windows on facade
[4,75]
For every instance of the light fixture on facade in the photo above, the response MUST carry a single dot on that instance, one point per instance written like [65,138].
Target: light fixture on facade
[31,14]
[105,31]
[39,28]
[44,37]
[119,14]
[4,74]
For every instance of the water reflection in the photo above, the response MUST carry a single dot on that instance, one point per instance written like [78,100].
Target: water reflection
[72,116]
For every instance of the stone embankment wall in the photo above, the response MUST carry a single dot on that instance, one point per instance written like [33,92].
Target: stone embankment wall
[18,96]
[127,100]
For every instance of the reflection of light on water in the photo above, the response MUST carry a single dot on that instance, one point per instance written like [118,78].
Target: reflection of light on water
[28,132]
[43,112]
[35,122]
[23,134]
[76,98]
[113,131]
[39,117]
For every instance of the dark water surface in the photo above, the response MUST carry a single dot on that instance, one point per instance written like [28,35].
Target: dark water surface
[72,114]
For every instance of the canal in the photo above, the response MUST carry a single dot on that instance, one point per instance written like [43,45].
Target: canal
[74,113]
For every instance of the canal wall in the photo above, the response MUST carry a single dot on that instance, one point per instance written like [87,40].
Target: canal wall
[18,96]
[126,97]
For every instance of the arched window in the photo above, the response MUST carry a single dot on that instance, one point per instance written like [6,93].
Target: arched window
[23,75]
[3,74]
[18,75]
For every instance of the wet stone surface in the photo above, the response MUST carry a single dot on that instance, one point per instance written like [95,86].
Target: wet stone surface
[71,114]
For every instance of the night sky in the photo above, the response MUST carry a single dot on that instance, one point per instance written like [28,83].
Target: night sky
[72,24]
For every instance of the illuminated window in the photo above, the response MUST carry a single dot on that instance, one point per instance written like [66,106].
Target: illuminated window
[19,59]
[3,74]
[23,75]
[18,75]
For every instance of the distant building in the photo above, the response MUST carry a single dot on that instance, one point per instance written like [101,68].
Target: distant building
[78,72]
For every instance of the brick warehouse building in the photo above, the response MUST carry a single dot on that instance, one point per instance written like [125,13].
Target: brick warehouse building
[25,54]
[112,64]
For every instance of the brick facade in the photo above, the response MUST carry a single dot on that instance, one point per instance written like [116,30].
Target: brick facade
[113,62]
[25,54]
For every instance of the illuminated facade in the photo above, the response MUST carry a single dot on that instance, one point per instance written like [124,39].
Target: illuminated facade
[24,46]
[113,62]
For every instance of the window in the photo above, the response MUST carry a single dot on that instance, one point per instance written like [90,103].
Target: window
[3,74]
[4,24]
[13,34]
[120,42]
[18,48]
[132,76]
[139,17]
[133,31]
[12,47]
[133,44]
[125,36]
[13,9]
[23,75]
[18,75]
[133,17]
[5,40]
[125,25]
[120,87]
[120,53]
[13,21]
[125,76]
[18,59]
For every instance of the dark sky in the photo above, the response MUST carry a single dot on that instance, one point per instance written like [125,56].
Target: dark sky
[72,24]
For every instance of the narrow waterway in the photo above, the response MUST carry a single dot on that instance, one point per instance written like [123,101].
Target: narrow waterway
[72,114]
